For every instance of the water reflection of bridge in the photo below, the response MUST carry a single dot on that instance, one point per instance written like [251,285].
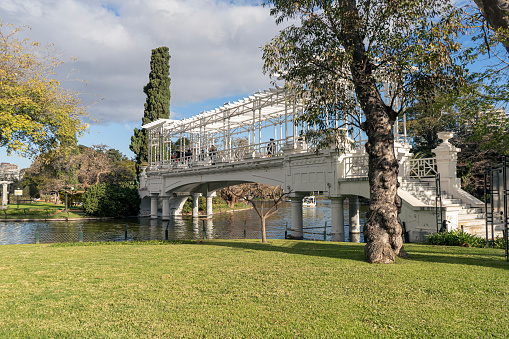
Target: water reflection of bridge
[256,140]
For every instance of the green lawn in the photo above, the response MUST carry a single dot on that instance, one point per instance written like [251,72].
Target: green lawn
[40,210]
[245,289]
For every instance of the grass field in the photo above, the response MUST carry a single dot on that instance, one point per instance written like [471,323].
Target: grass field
[245,289]
[40,210]
[48,210]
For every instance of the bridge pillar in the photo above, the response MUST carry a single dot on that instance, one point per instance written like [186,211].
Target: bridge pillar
[209,206]
[353,213]
[196,197]
[297,224]
[166,207]
[153,206]
[337,218]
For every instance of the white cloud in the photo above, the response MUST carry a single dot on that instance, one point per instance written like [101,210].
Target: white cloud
[214,46]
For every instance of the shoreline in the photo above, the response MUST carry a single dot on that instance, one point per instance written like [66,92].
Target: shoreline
[104,218]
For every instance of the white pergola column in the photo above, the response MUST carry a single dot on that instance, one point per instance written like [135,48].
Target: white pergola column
[353,213]
[166,207]
[4,194]
[196,197]
[153,206]
[297,224]
[337,219]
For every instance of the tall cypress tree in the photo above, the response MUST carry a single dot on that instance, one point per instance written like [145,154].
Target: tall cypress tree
[157,105]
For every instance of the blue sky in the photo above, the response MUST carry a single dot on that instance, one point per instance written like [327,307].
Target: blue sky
[214,47]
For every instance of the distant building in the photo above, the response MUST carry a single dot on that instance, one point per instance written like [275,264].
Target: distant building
[9,171]
[496,116]
[498,113]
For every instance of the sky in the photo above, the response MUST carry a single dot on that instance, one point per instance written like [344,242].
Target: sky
[214,47]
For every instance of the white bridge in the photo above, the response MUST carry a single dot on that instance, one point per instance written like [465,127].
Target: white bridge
[255,140]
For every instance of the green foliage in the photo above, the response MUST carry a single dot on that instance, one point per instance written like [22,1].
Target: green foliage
[217,200]
[36,113]
[202,204]
[342,52]
[472,162]
[112,200]
[72,197]
[460,238]
[157,105]
[188,206]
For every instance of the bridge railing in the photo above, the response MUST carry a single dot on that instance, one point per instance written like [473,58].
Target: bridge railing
[423,168]
[356,166]
[235,154]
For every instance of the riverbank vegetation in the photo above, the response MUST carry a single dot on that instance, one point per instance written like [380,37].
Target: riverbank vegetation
[40,210]
[246,289]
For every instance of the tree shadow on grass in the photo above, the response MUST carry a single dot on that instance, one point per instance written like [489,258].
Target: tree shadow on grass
[354,251]
[347,251]
[483,257]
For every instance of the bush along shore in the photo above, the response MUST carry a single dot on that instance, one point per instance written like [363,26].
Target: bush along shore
[460,238]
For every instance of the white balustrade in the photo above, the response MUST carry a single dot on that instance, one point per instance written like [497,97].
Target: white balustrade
[423,168]
[356,166]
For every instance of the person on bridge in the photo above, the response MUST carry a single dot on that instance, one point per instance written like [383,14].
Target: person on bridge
[212,153]
[271,147]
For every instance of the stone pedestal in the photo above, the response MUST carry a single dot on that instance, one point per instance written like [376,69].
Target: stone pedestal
[447,159]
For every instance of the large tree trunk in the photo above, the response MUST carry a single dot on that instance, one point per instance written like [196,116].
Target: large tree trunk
[496,14]
[382,229]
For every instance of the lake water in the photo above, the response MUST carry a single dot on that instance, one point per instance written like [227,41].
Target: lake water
[234,225]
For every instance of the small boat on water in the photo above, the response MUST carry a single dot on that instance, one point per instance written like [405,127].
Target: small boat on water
[309,201]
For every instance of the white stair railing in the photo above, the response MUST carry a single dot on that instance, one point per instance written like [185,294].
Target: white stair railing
[423,168]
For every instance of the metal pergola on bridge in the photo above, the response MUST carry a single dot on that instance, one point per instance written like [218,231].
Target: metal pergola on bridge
[261,125]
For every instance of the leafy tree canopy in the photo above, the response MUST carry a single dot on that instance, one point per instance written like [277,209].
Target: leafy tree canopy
[36,113]
[365,62]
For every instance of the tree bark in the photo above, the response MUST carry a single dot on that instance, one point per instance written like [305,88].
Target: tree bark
[382,229]
[496,14]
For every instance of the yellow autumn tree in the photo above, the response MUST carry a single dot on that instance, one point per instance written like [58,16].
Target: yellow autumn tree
[36,113]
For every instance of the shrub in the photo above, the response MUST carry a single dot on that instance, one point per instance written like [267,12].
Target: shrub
[460,238]
[202,203]
[188,206]
[112,200]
